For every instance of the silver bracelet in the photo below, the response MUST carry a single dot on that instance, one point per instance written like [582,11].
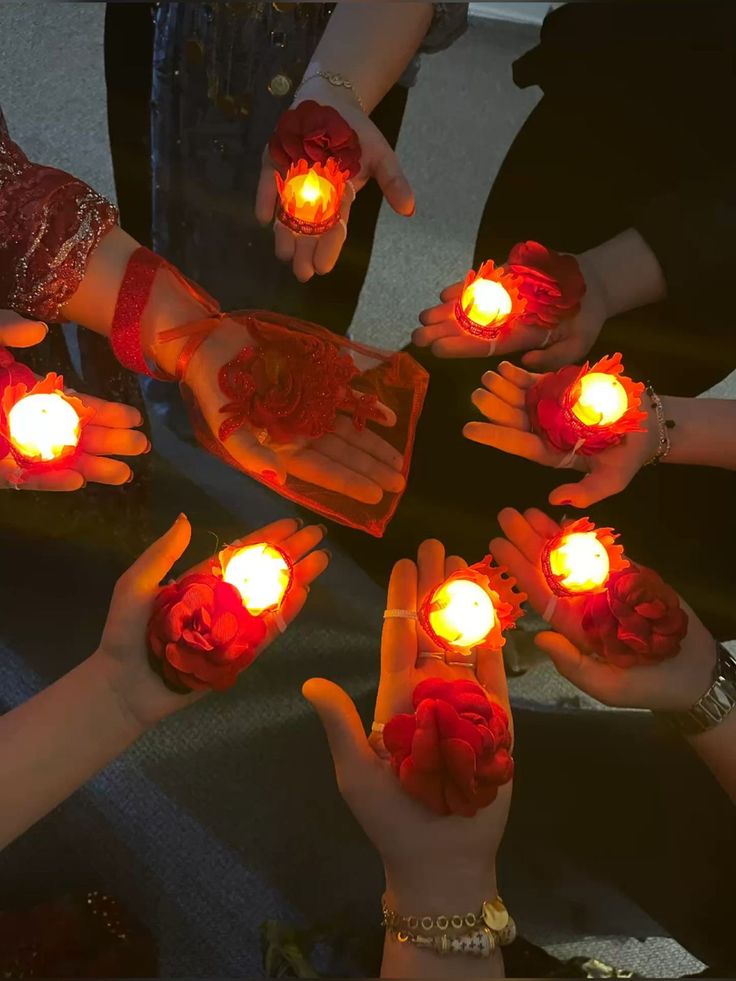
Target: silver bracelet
[336,79]
[664,425]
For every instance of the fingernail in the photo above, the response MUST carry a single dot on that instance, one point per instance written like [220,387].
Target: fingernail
[45,327]
[299,522]
[180,517]
[269,475]
[328,553]
[83,484]
[565,503]
[149,447]
[130,478]
[324,529]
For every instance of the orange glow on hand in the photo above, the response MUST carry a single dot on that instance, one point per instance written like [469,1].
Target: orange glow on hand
[43,426]
[580,562]
[261,573]
[461,613]
[602,400]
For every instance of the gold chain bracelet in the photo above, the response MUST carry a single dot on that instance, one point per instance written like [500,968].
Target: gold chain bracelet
[664,425]
[477,934]
[336,79]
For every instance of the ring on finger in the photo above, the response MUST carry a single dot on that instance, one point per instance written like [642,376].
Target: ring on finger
[399,614]
[436,655]
[492,348]
[466,662]
[547,339]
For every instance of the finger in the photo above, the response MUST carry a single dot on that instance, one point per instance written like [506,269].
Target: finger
[498,411]
[516,375]
[503,389]
[297,545]
[387,418]
[528,574]
[520,533]
[556,355]
[399,635]
[359,462]
[114,415]
[392,181]
[452,292]
[350,751]
[440,315]
[328,248]
[453,564]
[369,442]
[507,440]
[492,674]
[266,193]
[431,566]
[424,336]
[461,347]
[311,567]
[101,470]
[101,441]
[16,331]
[275,533]
[54,480]
[584,672]
[303,262]
[593,487]
[156,562]
[320,470]
[542,524]
[284,242]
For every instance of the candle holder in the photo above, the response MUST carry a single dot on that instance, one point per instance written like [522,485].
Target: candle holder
[490,302]
[581,558]
[586,409]
[310,196]
[261,573]
[471,608]
[42,424]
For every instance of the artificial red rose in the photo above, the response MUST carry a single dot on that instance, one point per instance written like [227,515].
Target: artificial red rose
[453,753]
[200,636]
[12,372]
[290,385]
[638,620]
[549,401]
[551,283]
[315,133]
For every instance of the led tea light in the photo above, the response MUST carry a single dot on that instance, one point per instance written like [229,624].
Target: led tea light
[601,400]
[489,302]
[581,558]
[261,573]
[458,614]
[43,424]
[310,197]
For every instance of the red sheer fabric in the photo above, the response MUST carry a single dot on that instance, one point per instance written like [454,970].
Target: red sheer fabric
[393,378]
[50,223]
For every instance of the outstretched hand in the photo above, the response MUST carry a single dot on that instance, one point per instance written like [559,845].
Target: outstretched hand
[502,401]
[672,685]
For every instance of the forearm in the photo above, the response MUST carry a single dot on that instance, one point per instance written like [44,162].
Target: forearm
[422,894]
[56,741]
[717,749]
[704,433]
[626,271]
[93,304]
[370,44]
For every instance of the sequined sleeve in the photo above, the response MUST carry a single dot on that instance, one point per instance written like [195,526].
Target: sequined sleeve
[449,22]
[50,223]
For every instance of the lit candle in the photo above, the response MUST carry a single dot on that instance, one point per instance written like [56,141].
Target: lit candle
[579,562]
[489,301]
[261,573]
[43,427]
[459,614]
[310,197]
[601,400]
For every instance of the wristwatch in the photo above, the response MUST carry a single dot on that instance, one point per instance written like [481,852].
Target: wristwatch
[713,707]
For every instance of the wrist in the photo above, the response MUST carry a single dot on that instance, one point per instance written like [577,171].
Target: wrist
[427,892]
[171,304]
[106,677]
[625,272]
[316,87]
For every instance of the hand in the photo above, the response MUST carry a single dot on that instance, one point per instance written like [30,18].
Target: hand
[17,331]
[358,464]
[429,860]
[310,254]
[123,651]
[570,340]
[673,685]
[503,402]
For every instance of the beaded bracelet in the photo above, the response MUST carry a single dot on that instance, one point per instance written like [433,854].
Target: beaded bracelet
[477,934]
[664,425]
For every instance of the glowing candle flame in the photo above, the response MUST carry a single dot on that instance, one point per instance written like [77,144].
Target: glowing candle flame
[262,575]
[602,400]
[42,426]
[311,196]
[485,302]
[580,562]
[461,612]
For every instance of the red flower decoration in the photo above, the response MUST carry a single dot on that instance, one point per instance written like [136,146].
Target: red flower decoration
[200,636]
[550,400]
[290,385]
[453,753]
[504,321]
[607,538]
[315,133]
[12,373]
[499,585]
[638,620]
[22,382]
[551,283]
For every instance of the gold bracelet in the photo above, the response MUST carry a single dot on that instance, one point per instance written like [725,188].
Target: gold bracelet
[471,933]
[664,425]
[336,79]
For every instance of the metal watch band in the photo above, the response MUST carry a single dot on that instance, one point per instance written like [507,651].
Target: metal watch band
[717,703]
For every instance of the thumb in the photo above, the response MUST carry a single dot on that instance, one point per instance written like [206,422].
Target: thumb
[266,193]
[16,331]
[592,488]
[342,725]
[392,181]
[151,567]
[557,355]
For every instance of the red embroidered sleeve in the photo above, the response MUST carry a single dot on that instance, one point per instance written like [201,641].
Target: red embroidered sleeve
[50,223]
